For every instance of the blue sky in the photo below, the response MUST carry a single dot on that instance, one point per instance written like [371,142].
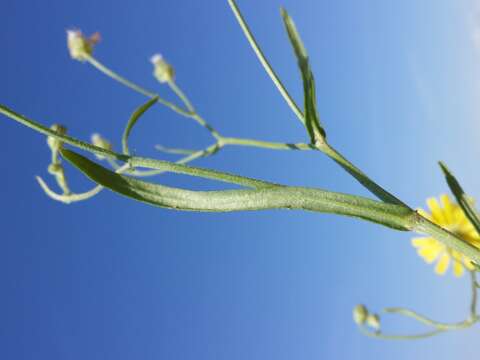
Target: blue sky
[397,87]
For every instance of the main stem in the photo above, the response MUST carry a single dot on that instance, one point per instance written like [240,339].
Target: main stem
[414,223]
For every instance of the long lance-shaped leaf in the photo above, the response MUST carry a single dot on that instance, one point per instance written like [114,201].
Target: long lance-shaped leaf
[461,197]
[133,120]
[312,120]
[275,197]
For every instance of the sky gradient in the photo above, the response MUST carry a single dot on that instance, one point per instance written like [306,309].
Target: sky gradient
[397,88]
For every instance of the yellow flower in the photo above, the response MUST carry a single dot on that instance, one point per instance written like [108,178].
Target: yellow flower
[451,217]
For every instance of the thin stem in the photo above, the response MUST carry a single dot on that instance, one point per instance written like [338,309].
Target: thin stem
[381,336]
[210,150]
[322,145]
[68,198]
[415,223]
[64,138]
[474,289]
[110,73]
[266,144]
[361,177]
[439,327]
[263,60]
[166,166]
[176,151]
[424,226]
[182,96]
[190,112]
[429,322]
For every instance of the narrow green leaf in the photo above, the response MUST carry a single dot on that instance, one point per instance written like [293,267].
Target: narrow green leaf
[133,120]
[312,120]
[273,197]
[462,198]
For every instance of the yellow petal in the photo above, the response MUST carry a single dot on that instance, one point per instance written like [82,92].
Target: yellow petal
[429,253]
[423,241]
[437,212]
[457,268]
[447,208]
[442,264]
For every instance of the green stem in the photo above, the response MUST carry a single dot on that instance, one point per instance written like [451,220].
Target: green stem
[182,96]
[416,223]
[166,166]
[263,60]
[425,226]
[64,138]
[378,335]
[474,289]
[439,327]
[210,150]
[429,322]
[110,73]
[68,198]
[265,144]
[361,177]
[190,112]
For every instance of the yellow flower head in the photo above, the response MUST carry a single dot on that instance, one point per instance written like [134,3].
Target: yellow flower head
[451,217]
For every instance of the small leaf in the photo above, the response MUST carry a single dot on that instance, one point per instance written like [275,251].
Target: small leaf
[136,189]
[462,198]
[133,120]
[312,120]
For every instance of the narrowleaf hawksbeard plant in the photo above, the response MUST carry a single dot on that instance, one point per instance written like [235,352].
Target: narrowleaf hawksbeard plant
[450,232]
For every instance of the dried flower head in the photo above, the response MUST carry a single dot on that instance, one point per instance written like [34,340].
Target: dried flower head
[162,70]
[79,46]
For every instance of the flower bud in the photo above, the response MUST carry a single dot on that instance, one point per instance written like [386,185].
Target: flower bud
[360,314]
[101,142]
[79,46]
[55,169]
[373,320]
[53,143]
[162,70]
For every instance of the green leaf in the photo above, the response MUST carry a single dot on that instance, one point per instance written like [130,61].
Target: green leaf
[462,198]
[272,197]
[133,120]
[312,120]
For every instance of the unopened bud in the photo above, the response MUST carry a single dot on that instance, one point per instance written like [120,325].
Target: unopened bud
[162,70]
[53,143]
[55,169]
[373,320]
[79,46]
[101,142]
[360,314]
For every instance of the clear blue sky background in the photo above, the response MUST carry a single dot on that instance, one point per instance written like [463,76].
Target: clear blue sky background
[113,279]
